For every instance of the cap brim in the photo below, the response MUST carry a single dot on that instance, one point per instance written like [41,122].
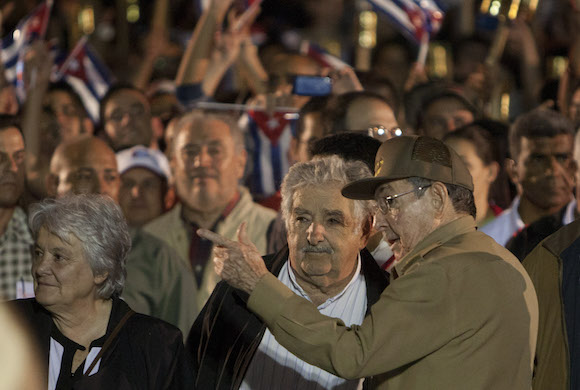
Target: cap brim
[364,189]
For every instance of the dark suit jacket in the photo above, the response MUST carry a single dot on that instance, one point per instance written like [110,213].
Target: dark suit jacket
[225,335]
[147,353]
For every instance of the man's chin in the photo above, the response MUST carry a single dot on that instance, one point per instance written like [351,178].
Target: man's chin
[203,200]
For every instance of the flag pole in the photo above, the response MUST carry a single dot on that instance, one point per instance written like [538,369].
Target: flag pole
[423,49]
[46,16]
[291,112]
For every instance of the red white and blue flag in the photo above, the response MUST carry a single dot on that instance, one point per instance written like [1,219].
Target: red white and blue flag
[414,18]
[271,135]
[202,5]
[14,45]
[321,56]
[87,75]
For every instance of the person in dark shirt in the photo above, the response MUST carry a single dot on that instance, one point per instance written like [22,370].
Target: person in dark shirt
[90,337]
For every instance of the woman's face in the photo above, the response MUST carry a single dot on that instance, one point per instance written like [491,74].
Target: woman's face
[482,175]
[62,275]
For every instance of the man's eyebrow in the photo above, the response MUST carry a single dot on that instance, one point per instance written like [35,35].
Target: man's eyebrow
[334,213]
[300,210]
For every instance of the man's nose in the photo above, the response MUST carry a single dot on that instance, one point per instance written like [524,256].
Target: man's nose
[13,165]
[135,191]
[203,158]
[125,119]
[450,124]
[315,233]
[380,223]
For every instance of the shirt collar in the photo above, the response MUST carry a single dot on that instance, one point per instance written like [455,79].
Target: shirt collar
[17,228]
[435,239]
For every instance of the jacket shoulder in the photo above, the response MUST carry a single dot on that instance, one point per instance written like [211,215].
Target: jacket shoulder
[162,224]
[563,238]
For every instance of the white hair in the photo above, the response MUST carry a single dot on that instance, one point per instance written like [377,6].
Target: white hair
[323,172]
[98,223]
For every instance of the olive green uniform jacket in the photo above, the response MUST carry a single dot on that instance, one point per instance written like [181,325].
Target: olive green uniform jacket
[462,314]
[544,265]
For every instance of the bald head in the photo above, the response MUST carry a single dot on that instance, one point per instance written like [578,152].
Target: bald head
[87,165]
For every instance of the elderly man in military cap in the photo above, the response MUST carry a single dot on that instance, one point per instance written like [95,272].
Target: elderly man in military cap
[461,312]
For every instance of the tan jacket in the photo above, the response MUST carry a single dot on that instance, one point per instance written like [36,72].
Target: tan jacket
[462,315]
[173,230]
[544,264]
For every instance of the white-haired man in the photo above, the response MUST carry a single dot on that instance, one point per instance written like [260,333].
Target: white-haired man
[324,262]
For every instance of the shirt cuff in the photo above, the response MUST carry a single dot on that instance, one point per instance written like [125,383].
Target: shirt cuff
[267,299]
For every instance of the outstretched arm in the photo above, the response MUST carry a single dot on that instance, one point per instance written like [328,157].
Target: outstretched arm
[346,351]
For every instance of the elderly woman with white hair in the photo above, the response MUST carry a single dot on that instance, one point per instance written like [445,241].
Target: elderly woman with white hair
[89,337]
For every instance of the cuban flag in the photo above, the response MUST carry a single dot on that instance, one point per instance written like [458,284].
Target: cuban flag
[87,75]
[321,56]
[202,5]
[415,18]
[15,44]
[270,135]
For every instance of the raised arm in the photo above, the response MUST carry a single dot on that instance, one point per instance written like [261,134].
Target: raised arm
[197,54]
[38,63]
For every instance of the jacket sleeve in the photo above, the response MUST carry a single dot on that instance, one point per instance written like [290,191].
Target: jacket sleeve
[552,349]
[413,317]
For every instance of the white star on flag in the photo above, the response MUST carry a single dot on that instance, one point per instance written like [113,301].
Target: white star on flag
[273,123]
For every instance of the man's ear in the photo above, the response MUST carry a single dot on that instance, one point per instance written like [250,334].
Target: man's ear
[367,228]
[88,126]
[240,167]
[157,127]
[439,197]
[493,171]
[292,150]
[511,168]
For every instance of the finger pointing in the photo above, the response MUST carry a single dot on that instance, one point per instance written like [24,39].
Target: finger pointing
[243,234]
[214,237]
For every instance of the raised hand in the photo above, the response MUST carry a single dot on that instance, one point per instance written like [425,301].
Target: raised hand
[237,262]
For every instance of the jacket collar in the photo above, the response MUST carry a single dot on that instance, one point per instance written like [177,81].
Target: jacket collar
[435,239]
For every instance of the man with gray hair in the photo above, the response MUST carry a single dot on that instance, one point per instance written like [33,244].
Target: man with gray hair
[325,262]
[461,312]
[207,161]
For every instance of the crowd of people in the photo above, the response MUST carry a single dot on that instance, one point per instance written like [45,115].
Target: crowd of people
[243,213]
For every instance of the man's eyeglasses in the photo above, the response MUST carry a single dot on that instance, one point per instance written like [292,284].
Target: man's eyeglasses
[381,132]
[386,203]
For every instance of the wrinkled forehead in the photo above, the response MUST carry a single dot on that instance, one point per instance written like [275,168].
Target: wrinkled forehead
[93,157]
[447,105]
[125,98]
[203,130]
[561,143]
[322,198]
[11,139]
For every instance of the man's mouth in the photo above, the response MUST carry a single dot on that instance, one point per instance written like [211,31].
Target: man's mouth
[203,175]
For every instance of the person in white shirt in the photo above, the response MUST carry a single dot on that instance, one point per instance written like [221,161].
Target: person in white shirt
[542,168]
[325,262]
